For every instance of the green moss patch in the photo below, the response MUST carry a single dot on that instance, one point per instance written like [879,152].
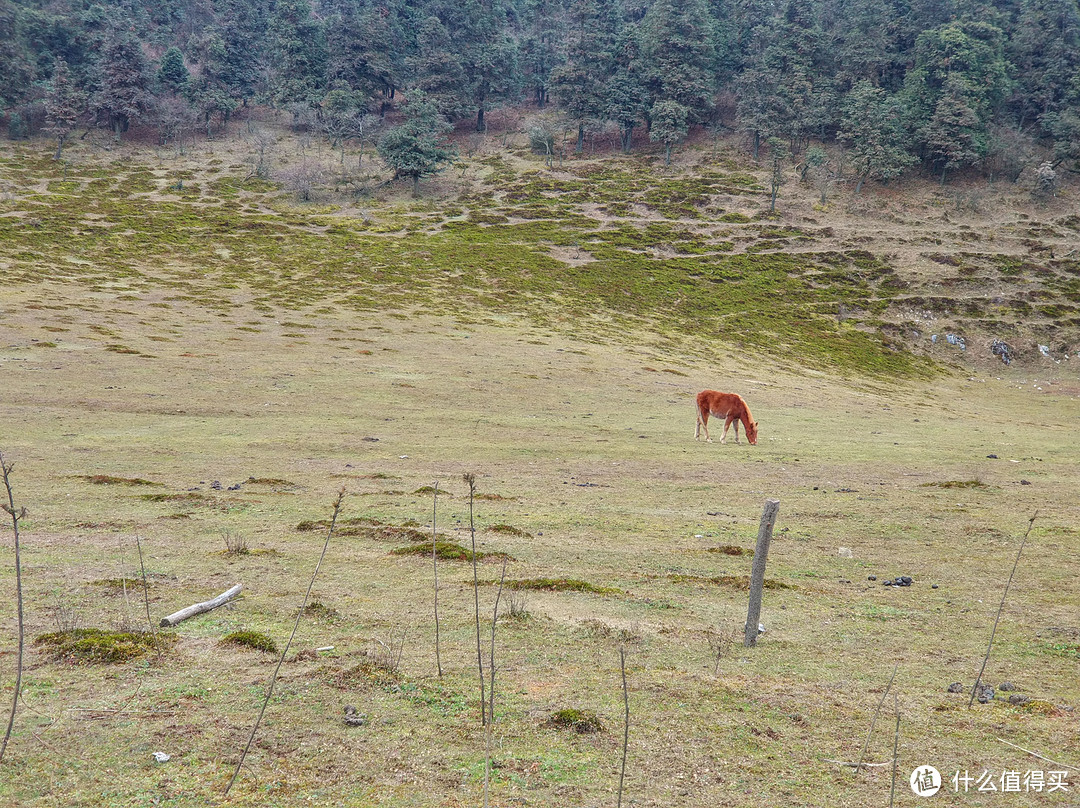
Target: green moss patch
[446,550]
[955,484]
[106,479]
[251,639]
[741,582]
[582,722]
[509,530]
[99,645]
[559,585]
[731,550]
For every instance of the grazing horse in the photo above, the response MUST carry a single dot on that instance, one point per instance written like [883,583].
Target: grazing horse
[724,405]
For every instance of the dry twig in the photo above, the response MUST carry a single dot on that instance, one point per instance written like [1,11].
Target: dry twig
[285,650]
[16,515]
[1001,607]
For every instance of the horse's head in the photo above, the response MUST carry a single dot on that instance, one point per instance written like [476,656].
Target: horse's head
[751,432]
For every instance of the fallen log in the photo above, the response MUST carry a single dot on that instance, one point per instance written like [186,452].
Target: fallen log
[199,608]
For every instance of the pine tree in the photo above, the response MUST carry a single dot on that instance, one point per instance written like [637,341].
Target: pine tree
[172,74]
[670,124]
[298,49]
[417,147]
[543,45]
[580,83]
[64,105]
[436,68]
[872,124]
[123,80]
[1045,51]
[677,60]
[954,136]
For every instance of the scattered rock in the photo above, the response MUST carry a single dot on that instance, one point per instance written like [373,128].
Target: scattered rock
[1045,350]
[1001,348]
[992,456]
[845,552]
[1007,686]
[1025,482]
[871,577]
[216,485]
[956,687]
[933,586]
[985,694]
[353,718]
[1018,699]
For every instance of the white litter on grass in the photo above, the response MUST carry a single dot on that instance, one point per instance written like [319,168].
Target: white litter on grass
[161,757]
[844,552]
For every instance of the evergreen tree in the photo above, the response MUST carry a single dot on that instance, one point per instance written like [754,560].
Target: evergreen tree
[543,45]
[209,90]
[16,58]
[954,136]
[863,42]
[670,124]
[242,30]
[123,93]
[780,93]
[64,105]
[436,69]
[580,83]
[172,74]
[366,47]
[969,54]
[625,101]
[872,124]
[488,54]
[298,49]
[1045,51]
[417,147]
[678,56]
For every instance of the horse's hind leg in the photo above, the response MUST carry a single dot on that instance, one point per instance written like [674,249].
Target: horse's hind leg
[702,422]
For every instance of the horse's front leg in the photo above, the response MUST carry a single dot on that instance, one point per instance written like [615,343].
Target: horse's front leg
[727,423]
[736,422]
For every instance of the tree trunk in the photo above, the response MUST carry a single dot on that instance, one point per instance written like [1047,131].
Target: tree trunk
[59,145]
[580,139]
[667,155]
[480,126]
[627,138]
[862,179]
[416,185]
[757,144]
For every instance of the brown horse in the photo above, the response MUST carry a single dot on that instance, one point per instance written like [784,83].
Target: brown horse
[724,405]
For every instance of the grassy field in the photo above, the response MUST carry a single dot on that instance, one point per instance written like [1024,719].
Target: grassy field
[201,366]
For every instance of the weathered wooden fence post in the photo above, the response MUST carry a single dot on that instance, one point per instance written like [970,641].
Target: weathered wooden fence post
[757,572]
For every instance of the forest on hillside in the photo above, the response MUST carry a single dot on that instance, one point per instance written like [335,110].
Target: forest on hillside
[946,85]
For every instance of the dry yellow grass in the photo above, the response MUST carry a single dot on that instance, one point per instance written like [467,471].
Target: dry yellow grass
[585,441]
